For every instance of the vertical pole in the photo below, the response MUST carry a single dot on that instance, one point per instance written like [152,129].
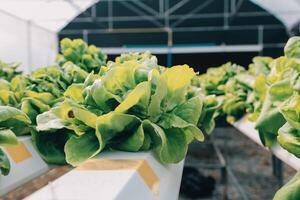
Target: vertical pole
[261,38]
[277,169]
[94,11]
[225,19]
[85,35]
[161,7]
[167,21]
[170,44]
[170,34]
[110,15]
[233,6]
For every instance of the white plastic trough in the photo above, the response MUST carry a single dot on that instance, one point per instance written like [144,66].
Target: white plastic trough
[26,165]
[247,128]
[110,176]
[116,175]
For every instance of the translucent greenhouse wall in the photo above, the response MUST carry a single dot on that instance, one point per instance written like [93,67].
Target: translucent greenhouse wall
[24,42]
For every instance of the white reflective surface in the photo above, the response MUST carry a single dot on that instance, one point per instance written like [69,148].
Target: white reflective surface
[287,11]
[50,14]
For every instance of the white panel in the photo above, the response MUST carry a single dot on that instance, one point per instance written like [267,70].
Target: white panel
[116,184]
[23,171]
[50,14]
[13,40]
[26,43]
[43,45]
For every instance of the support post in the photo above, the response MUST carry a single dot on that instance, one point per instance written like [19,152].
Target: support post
[261,38]
[277,167]
[170,44]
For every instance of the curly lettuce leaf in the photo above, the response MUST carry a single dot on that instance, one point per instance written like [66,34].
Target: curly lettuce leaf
[292,47]
[289,191]
[50,144]
[33,107]
[139,97]
[67,115]
[81,148]
[4,163]
[170,93]
[289,138]
[7,137]
[265,123]
[9,70]
[170,145]
[87,57]
[14,119]
[260,65]
[290,109]
[75,92]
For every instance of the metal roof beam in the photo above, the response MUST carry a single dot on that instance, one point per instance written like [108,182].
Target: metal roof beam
[184,49]
[141,14]
[236,10]
[176,6]
[75,6]
[146,7]
[173,17]
[161,7]
[175,29]
[198,8]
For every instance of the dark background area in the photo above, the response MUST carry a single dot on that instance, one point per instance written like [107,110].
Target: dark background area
[201,61]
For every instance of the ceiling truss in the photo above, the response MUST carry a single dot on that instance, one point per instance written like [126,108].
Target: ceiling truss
[165,18]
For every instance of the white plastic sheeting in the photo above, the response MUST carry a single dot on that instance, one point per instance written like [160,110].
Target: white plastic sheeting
[287,11]
[50,14]
[29,28]
[43,47]
[24,42]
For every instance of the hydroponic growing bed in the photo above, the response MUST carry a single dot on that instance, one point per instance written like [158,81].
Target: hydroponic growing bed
[132,115]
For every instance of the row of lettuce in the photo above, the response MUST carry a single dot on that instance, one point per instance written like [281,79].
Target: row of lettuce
[84,104]
[267,93]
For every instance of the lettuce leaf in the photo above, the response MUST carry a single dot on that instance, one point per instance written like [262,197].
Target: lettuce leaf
[289,191]
[4,163]
[289,138]
[292,47]
[7,137]
[170,145]
[50,144]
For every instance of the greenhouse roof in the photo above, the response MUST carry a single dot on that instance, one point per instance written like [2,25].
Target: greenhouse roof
[52,15]
[287,11]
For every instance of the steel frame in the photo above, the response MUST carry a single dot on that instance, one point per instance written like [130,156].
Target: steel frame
[165,20]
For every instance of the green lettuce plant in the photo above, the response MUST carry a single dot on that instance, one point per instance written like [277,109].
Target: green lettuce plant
[12,122]
[9,71]
[132,107]
[280,83]
[88,57]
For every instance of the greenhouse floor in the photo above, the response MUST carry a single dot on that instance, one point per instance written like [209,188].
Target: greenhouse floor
[250,166]
[249,163]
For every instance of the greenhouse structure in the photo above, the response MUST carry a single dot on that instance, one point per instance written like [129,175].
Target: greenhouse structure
[150,99]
